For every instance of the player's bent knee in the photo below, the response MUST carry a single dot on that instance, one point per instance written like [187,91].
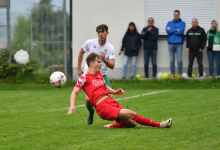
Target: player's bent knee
[130,123]
[126,114]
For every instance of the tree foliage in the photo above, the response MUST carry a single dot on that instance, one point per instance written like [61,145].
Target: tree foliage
[47,25]
[14,70]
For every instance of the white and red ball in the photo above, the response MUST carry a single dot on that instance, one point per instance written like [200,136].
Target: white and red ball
[57,79]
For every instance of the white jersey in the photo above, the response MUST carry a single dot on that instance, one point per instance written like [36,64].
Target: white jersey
[93,46]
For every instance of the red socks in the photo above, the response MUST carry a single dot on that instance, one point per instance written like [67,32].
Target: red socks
[117,125]
[145,121]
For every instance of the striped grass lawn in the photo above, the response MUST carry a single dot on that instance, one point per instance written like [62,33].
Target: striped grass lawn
[35,118]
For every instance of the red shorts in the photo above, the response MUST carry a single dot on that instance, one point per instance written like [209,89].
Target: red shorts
[108,109]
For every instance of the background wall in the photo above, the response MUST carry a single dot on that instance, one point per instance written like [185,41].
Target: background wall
[117,15]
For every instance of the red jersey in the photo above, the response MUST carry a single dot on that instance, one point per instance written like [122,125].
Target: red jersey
[93,85]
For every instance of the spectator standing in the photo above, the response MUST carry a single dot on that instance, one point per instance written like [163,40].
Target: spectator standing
[213,47]
[196,40]
[175,30]
[131,43]
[150,35]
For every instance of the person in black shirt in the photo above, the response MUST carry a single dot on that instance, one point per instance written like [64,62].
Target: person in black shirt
[150,35]
[196,40]
[131,43]
[213,37]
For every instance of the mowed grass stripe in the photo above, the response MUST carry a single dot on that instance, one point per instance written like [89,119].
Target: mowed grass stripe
[195,125]
[21,96]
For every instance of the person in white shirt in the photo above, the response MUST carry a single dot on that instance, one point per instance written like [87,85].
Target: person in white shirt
[103,48]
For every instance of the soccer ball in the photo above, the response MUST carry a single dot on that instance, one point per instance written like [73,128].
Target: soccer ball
[57,79]
[138,76]
[204,74]
[185,75]
[176,75]
[194,75]
[165,75]
[159,74]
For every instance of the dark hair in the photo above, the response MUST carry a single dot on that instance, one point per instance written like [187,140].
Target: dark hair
[129,31]
[102,27]
[91,57]
[177,11]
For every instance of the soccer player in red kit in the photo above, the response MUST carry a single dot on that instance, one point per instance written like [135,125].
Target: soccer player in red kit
[94,86]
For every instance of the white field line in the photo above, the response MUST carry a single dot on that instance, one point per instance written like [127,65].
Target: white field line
[125,98]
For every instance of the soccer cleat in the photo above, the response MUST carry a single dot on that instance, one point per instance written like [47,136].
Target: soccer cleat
[166,124]
[90,118]
[107,126]
[179,75]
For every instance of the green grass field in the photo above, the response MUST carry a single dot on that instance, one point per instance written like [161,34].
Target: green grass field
[33,117]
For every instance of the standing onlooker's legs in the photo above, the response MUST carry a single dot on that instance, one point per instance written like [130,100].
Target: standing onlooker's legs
[147,54]
[154,61]
[125,65]
[199,57]
[179,48]
[172,58]
[217,60]
[211,58]
[191,60]
[133,65]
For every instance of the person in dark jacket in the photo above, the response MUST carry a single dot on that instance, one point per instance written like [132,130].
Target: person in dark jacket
[196,41]
[150,35]
[213,48]
[131,43]
[175,30]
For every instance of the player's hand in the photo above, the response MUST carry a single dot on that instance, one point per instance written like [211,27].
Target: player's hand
[200,50]
[120,52]
[143,32]
[187,49]
[71,110]
[79,71]
[102,55]
[119,92]
[168,28]
[149,29]
[178,29]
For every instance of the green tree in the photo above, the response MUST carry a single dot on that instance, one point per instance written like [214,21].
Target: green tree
[47,25]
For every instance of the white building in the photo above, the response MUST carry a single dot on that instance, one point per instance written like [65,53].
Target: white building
[88,14]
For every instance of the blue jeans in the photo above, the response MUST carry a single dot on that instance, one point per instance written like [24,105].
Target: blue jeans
[133,65]
[211,55]
[178,49]
[147,54]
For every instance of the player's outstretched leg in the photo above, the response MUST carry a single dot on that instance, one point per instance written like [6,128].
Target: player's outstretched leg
[91,111]
[128,114]
[115,125]
[167,123]
[129,123]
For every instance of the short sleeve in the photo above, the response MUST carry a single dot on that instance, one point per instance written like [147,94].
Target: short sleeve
[86,46]
[112,53]
[81,81]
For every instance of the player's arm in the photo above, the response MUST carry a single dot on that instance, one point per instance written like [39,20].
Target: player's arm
[73,100]
[110,63]
[111,91]
[80,58]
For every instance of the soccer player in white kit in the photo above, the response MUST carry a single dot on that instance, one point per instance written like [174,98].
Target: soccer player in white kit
[103,48]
